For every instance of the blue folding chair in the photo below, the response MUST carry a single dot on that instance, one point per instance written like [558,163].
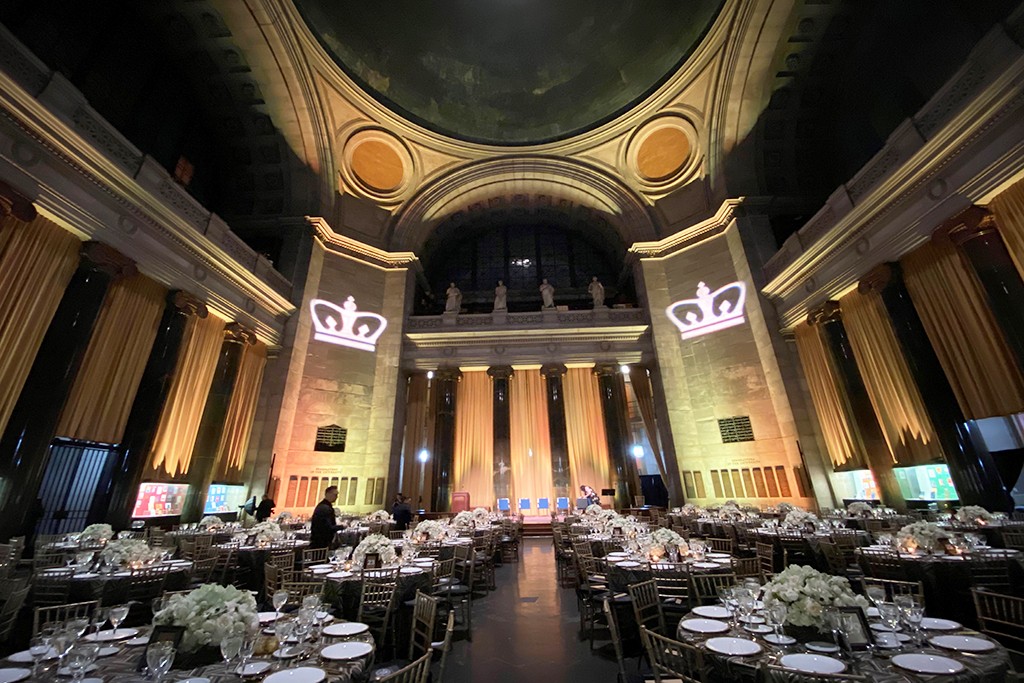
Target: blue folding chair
[562,504]
[504,505]
[543,505]
[524,504]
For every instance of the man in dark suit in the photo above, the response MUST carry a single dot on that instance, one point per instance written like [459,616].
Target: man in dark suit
[265,508]
[323,526]
[402,514]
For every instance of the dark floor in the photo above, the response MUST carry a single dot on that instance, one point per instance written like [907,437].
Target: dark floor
[527,630]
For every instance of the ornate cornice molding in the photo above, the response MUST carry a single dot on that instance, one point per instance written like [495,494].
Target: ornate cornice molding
[691,235]
[359,250]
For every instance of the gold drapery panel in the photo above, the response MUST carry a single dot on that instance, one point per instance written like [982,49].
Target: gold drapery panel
[416,438]
[37,260]
[894,395]
[101,398]
[473,463]
[1008,207]
[963,332]
[641,384]
[589,461]
[530,438]
[234,440]
[186,398]
[835,415]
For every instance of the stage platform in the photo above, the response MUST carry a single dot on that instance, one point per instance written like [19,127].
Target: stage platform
[536,525]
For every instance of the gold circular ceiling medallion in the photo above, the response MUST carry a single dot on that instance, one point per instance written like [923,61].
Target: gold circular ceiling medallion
[378,165]
[662,154]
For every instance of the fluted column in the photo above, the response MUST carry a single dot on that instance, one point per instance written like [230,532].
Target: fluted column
[119,485]
[204,452]
[971,466]
[446,382]
[25,445]
[975,232]
[500,376]
[877,450]
[616,427]
[560,476]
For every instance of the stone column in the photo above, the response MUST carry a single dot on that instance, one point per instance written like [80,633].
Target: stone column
[971,466]
[500,376]
[125,468]
[975,232]
[211,427]
[616,427]
[877,450]
[446,382]
[25,445]
[559,439]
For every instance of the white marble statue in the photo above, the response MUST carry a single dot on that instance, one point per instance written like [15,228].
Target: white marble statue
[500,303]
[596,290]
[547,294]
[453,304]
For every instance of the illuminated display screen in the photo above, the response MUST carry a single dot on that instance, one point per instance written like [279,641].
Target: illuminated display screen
[223,498]
[926,482]
[856,485]
[160,500]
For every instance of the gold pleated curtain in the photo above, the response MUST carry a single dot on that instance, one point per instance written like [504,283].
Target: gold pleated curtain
[589,461]
[963,332]
[37,260]
[1008,208]
[835,415]
[234,440]
[101,398]
[473,463]
[186,399]
[418,431]
[641,383]
[890,385]
[530,440]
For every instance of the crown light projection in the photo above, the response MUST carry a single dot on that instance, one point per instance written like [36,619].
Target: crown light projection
[345,326]
[709,311]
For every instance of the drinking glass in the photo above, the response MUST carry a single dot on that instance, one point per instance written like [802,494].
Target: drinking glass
[230,645]
[279,600]
[876,594]
[904,602]
[890,614]
[99,617]
[247,648]
[775,614]
[61,642]
[912,617]
[78,625]
[117,615]
[38,647]
[80,658]
[159,657]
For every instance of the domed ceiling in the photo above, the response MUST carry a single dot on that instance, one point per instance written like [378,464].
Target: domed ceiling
[509,72]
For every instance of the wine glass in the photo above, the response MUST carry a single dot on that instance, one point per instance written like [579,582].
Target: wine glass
[39,647]
[775,614]
[912,617]
[230,645]
[117,615]
[99,617]
[904,602]
[890,615]
[159,657]
[279,600]
[61,642]
[80,658]
[876,594]
[283,630]
[78,625]
[247,647]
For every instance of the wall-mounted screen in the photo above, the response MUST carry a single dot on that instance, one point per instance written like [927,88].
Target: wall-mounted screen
[926,482]
[224,498]
[855,485]
[160,500]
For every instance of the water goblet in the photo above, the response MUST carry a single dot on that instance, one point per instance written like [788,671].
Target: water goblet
[39,647]
[890,615]
[912,617]
[283,629]
[904,602]
[78,625]
[775,614]
[99,617]
[159,657]
[80,658]
[230,645]
[61,642]
[247,647]
[279,600]
[117,615]
[876,594]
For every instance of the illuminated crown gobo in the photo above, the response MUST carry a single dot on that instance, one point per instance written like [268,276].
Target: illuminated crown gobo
[709,311]
[345,326]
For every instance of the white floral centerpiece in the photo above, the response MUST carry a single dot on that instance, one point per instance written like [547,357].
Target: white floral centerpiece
[266,532]
[664,539]
[799,518]
[481,516]
[429,530]
[923,536]
[691,510]
[379,516]
[630,527]
[464,520]
[859,508]
[285,517]
[785,508]
[211,523]
[96,534]
[730,511]
[374,543]
[974,514]
[128,551]
[807,593]
[209,613]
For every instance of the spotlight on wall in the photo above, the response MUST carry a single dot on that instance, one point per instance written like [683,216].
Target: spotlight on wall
[430,374]
[624,369]
[638,451]
[424,455]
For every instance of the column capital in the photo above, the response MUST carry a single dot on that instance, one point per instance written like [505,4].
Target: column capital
[607,370]
[187,304]
[500,372]
[876,279]
[825,313]
[448,373]
[970,223]
[108,260]
[553,370]
[13,203]
[239,333]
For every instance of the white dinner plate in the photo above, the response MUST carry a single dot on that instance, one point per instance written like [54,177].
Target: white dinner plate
[107,651]
[425,562]
[704,626]
[934,624]
[135,642]
[884,628]
[813,664]
[252,669]
[752,619]
[927,664]
[86,575]
[887,641]
[717,556]
[339,575]
[321,570]
[289,652]
[618,554]
[25,657]
[410,570]
[757,628]
[328,567]
[65,671]
[303,674]
[712,612]
[11,675]
[196,679]
[628,564]
[735,647]
[821,646]
[112,635]
[267,617]
[963,643]
[345,629]
[781,639]
[349,650]
[707,565]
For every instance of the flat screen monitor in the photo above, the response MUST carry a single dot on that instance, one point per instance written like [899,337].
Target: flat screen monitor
[159,500]
[223,498]
[926,482]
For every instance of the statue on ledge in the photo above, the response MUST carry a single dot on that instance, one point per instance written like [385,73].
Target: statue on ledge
[547,294]
[596,290]
[453,304]
[500,304]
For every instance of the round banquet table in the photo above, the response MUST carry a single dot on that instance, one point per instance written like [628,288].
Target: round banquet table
[250,559]
[112,589]
[989,668]
[625,572]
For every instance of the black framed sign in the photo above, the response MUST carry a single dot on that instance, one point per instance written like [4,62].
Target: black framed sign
[162,634]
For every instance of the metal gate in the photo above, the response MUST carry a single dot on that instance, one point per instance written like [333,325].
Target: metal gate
[69,485]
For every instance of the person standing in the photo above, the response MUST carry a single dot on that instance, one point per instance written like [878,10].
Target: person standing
[265,508]
[403,514]
[322,525]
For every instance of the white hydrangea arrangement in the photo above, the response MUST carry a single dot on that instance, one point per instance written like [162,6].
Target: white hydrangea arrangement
[430,530]
[266,532]
[211,523]
[122,552]
[785,508]
[629,525]
[808,593]
[96,534]
[374,543]
[799,518]
[482,516]
[464,520]
[691,510]
[974,514]
[666,538]
[209,613]
[730,511]
[379,516]
[859,508]
[285,517]
[921,535]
